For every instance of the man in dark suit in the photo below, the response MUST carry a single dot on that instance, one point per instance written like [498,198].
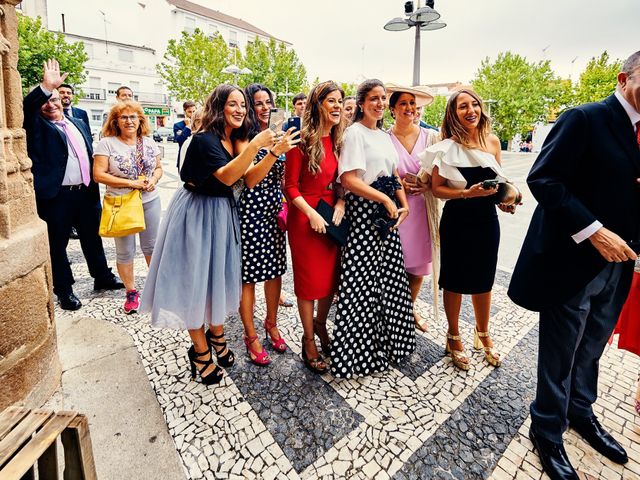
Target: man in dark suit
[62,155]
[66,93]
[182,130]
[577,261]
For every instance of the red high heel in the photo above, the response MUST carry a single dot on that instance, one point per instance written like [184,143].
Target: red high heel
[278,345]
[261,358]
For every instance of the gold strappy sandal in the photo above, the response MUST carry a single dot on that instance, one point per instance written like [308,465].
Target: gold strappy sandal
[490,355]
[459,357]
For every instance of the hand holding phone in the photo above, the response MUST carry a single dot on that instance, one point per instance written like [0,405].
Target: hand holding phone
[490,184]
[276,119]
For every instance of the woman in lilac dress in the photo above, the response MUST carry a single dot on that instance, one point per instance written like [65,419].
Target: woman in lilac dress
[409,139]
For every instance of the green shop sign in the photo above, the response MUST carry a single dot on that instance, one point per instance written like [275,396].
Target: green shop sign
[156,111]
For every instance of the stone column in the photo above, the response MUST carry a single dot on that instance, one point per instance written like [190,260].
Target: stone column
[29,365]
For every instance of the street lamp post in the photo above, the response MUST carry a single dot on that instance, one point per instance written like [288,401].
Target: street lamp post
[236,71]
[423,19]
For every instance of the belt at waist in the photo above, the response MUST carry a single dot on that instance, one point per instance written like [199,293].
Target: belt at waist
[73,187]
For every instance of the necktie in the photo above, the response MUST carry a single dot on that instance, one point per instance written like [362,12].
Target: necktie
[79,150]
[638,133]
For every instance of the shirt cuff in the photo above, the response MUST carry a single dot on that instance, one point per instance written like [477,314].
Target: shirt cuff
[45,91]
[586,232]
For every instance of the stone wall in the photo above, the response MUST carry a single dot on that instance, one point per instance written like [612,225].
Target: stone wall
[29,365]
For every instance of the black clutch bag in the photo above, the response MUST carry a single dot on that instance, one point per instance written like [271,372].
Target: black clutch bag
[336,233]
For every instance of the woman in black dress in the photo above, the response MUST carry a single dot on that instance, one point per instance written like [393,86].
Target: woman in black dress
[469,229]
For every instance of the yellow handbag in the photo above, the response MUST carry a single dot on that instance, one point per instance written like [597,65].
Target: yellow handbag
[122,215]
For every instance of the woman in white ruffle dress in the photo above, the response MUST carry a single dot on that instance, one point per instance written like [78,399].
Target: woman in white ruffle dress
[469,228]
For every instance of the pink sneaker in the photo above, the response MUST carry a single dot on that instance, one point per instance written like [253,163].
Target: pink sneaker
[132,303]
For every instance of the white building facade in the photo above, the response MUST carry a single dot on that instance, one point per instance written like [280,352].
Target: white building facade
[131,61]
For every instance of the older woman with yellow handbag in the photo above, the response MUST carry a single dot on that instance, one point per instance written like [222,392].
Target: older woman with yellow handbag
[128,163]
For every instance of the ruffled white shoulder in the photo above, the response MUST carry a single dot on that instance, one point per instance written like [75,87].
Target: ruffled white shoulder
[448,156]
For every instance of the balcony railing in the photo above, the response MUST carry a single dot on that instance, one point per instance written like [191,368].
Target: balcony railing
[94,94]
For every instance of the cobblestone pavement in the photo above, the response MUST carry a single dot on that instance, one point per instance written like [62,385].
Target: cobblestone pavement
[422,419]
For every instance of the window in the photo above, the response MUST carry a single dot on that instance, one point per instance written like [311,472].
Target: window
[111,89]
[251,38]
[233,38]
[212,30]
[95,82]
[96,115]
[135,86]
[125,55]
[189,24]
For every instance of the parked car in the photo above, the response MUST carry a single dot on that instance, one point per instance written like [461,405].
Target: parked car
[163,134]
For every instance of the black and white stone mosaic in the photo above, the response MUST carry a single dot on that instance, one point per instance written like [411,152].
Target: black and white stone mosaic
[422,419]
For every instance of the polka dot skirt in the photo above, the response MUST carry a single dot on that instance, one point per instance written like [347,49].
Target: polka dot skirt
[264,255]
[374,322]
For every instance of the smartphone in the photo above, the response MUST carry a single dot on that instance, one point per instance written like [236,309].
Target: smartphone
[489,184]
[276,119]
[295,122]
[411,178]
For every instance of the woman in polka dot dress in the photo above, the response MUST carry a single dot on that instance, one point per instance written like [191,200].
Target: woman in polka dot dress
[374,318]
[264,257]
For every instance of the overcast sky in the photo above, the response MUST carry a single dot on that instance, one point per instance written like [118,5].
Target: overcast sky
[344,39]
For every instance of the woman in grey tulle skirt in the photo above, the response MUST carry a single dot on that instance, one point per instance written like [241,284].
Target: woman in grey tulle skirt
[195,274]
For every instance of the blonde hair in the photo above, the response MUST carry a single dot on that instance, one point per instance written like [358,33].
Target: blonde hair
[111,128]
[196,120]
[452,127]
[313,126]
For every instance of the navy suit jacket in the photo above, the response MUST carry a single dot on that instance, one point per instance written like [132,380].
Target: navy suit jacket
[81,115]
[180,132]
[47,147]
[586,171]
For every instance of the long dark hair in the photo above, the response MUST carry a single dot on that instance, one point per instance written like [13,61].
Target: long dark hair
[249,92]
[363,89]
[313,125]
[213,116]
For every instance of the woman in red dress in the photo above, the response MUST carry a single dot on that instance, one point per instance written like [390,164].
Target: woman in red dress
[310,175]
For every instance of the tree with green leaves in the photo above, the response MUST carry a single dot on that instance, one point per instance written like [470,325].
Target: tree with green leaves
[598,80]
[433,114]
[275,66]
[521,92]
[193,65]
[37,45]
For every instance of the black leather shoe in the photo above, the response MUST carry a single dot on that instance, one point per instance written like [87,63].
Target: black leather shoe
[111,283]
[596,436]
[553,457]
[68,301]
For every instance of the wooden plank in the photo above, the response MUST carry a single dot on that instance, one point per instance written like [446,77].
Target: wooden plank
[22,433]
[48,463]
[78,454]
[25,458]
[9,418]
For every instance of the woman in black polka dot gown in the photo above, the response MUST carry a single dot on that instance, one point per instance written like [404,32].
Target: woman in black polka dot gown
[374,322]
